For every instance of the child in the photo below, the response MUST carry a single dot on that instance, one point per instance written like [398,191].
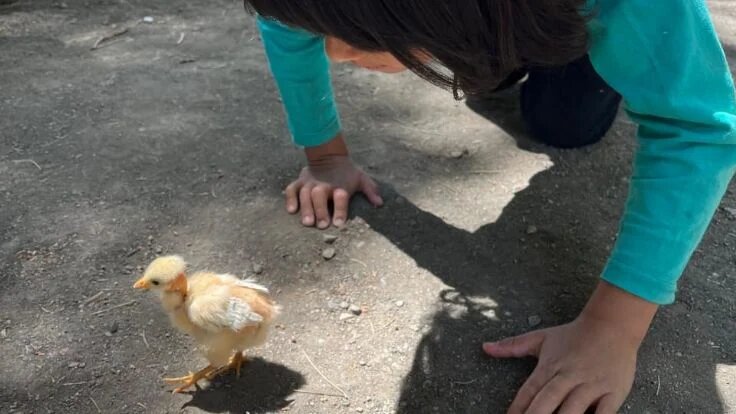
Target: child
[581,58]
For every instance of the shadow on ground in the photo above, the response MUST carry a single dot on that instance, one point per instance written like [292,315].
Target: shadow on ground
[263,387]
[490,271]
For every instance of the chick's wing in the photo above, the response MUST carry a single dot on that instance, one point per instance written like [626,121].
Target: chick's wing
[218,309]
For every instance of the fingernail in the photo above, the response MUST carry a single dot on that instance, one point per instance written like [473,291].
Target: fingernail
[307,221]
[322,224]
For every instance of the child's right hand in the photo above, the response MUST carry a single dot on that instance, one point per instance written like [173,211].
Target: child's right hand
[334,178]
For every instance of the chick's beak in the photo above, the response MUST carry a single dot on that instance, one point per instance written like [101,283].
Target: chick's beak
[141,284]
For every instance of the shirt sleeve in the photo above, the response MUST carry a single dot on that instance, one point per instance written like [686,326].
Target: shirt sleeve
[300,67]
[671,70]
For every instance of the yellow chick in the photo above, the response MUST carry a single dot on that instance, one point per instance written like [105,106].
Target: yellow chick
[225,315]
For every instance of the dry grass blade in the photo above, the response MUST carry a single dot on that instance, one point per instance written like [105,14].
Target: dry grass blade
[344,394]
[28,160]
[324,394]
[114,307]
[110,36]
[93,298]
[95,403]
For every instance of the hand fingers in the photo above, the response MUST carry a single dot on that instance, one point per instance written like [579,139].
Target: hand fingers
[528,344]
[320,195]
[549,398]
[580,399]
[370,189]
[292,196]
[305,205]
[341,200]
[609,404]
[529,390]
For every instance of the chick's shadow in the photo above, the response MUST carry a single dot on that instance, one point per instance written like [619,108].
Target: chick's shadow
[263,387]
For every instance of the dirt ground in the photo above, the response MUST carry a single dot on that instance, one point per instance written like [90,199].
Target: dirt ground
[169,138]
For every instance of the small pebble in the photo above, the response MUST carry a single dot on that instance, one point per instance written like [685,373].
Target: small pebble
[362,363]
[113,328]
[399,303]
[329,238]
[457,154]
[328,253]
[534,320]
[159,249]
[344,305]
[355,310]
[148,19]
[4,333]
[532,230]
[345,316]
[731,211]
[257,269]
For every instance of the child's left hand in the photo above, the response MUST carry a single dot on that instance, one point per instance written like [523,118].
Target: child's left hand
[589,362]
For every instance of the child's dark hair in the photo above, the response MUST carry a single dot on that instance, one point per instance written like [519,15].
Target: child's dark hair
[477,43]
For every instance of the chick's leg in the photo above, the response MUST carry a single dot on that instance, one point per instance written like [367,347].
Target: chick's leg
[188,380]
[236,362]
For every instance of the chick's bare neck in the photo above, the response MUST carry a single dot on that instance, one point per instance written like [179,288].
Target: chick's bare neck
[172,301]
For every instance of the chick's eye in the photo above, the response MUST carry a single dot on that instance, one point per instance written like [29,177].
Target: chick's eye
[155,282]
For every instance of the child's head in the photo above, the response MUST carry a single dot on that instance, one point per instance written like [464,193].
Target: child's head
[478,41]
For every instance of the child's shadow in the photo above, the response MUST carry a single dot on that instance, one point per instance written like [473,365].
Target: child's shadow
[263,387]
[508,276]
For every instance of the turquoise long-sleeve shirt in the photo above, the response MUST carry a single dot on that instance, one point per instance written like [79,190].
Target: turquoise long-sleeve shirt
[669,67]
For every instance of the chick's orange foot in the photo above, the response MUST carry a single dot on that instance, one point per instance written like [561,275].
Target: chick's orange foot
[187,381]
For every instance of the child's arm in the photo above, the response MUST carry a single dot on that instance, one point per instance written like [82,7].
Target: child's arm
[301,69]
[670,68]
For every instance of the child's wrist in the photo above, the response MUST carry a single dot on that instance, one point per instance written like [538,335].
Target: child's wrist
[322,154]
[615,307]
